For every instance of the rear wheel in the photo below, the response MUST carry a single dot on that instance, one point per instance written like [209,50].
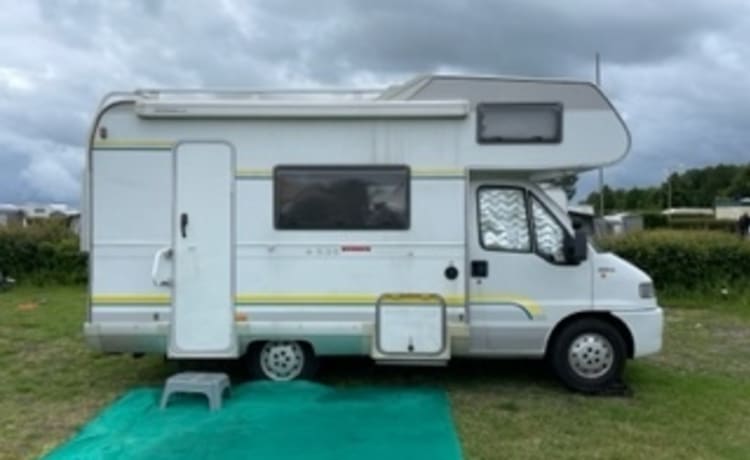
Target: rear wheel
[281,360]
[588,355]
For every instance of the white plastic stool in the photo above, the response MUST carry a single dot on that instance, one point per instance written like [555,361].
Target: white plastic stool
[211,384]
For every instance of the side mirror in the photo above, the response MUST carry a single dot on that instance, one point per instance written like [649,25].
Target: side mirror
[575,248]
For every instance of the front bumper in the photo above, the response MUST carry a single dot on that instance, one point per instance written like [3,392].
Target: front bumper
[646,327]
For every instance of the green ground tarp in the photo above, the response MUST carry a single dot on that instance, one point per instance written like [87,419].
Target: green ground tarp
[265,420]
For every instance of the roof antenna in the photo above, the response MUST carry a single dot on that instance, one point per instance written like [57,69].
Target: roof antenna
[598,77]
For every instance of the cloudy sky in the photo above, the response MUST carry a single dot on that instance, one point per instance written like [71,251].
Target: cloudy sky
[678,71]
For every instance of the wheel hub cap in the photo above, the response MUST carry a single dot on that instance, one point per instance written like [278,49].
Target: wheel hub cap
[282,360]
[591,355]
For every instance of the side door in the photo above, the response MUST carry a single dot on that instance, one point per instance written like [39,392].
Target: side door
[202,324]
[520,285]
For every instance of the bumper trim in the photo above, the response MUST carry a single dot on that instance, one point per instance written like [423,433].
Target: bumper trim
[646,326]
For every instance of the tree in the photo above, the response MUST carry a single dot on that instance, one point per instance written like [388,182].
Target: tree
[634,198]
[697,187]
[739,187]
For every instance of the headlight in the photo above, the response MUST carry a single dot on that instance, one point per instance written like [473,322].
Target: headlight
[646,290]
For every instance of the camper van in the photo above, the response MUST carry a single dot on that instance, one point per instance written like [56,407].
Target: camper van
[409,224]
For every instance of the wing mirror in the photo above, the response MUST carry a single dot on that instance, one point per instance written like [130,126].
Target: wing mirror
[575,248]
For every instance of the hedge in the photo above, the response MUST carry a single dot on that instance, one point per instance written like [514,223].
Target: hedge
[686,259]
[683,259]
[704,224]
[45,252]
[654,220]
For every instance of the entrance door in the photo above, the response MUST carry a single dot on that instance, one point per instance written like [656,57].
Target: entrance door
[520,285]
[202,323]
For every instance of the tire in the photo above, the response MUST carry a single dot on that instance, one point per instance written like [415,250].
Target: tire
[588,355]
[281,360]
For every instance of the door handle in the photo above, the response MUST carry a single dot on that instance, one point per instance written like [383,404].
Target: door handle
[183,224]
[479,269]
[164,253]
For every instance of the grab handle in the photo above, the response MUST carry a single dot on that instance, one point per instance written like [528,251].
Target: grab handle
[183,224]
[163,253]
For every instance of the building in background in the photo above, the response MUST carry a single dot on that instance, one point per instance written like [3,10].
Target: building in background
[688,212]
[10,214]
[26,214]
[623,222]
[731,209]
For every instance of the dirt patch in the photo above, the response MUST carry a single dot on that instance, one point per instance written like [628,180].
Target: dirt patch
[27,306]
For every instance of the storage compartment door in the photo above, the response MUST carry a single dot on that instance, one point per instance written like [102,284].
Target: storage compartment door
[410,326]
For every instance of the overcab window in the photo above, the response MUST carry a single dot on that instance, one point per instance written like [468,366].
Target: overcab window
[341,197]
[519,123]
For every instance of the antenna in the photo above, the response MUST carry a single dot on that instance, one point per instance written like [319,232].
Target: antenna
[598,77]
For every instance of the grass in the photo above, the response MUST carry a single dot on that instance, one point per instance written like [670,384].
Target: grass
[733,299]
[691,401]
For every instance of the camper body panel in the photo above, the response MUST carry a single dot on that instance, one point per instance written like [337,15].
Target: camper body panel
[593,134]
[321,286]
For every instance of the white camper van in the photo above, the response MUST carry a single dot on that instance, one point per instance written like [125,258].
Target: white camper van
[404,224]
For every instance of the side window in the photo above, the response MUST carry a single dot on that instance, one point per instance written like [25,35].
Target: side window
[341,197]
[503,219]
[547,232]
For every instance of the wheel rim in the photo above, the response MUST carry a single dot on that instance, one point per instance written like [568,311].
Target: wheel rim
[591,355]
[282,360]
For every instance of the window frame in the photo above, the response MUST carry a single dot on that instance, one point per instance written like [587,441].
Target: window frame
[339,167]
[556,106]
[528,196]
[524,193]
[532,226]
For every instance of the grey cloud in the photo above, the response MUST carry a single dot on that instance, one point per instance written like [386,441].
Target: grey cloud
[10,187]
[543,38]
[677,71]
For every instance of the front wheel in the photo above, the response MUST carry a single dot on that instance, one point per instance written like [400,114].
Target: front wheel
[281,360]
[588,355]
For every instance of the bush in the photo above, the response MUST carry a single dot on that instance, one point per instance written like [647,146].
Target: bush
[698,223]
[655,220]
[45,252]
[690,260]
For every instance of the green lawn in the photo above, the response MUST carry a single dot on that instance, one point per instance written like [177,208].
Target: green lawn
[692,401]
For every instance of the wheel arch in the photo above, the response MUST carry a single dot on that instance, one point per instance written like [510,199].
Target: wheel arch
[606,316]
[260,341]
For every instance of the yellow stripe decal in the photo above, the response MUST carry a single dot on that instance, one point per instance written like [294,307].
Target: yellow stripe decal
[336,299]
[253,173]
[254,299]
[131,299]
[420,173]
[134,144]
[532,307]
[438,172]
[264,299]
